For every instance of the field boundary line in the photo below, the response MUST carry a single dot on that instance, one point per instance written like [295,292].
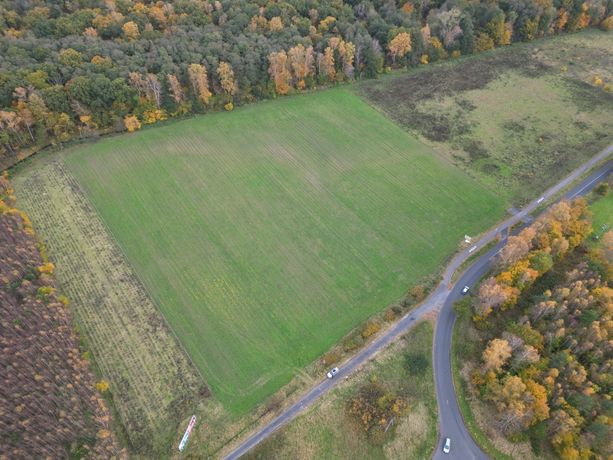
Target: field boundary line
[132,269]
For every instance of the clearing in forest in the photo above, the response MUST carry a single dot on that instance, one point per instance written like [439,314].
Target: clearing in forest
[517,118]
[264,235]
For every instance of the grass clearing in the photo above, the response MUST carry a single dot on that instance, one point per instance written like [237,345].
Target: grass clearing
[517,118]
[602,214]
[152,381]
[265,234]
[325,431]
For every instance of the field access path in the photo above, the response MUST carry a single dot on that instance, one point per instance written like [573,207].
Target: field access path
[442,298]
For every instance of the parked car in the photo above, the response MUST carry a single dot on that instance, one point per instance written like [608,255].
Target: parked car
[332,372]
[447,445]
[465,289]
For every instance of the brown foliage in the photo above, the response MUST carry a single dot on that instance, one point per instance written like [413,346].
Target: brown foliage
[48,398]
[418,292]
[279,71]
[496,354]
[331,357]
[374,406]
[370,328]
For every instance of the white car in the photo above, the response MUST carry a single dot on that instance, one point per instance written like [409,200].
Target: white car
[332,372]
[447,446]
[465,289]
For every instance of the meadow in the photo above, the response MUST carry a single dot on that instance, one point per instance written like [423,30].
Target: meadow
[602,213]
[517,118]
[266,234]
[326,431]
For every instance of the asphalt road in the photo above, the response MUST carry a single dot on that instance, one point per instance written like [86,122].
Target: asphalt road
[451,424]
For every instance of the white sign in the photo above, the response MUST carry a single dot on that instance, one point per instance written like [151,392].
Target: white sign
[190,427]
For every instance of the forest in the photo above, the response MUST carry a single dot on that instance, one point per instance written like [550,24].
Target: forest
[544,320]
[84,68]
[51,405]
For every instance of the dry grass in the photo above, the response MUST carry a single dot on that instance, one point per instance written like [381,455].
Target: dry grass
[151,378]
[518,118]
[414,427]
[325,431]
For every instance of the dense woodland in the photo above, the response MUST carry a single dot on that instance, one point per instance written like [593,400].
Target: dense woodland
[77,69]
[545,320]
[50,404]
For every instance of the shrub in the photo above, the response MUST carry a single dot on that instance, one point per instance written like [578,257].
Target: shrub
[390,314]
[102,386]
[353,343]
[373,407]
[44,292]
[370,328]
[331,357]
[416,363]
[607,24]
[418,292]
[602,189]
[46,268]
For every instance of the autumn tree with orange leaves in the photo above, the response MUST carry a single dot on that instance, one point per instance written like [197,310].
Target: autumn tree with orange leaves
[50,407]
[544,321]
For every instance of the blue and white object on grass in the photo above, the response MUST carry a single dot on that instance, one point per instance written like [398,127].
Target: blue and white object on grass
[183,442]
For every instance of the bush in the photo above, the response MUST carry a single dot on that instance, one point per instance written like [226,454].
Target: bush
[418,292]
[102,386]
[390,314]
[331,357]
[370,328]
[373,407]
[353,343]
[602,189]
[416,363]
[607,24]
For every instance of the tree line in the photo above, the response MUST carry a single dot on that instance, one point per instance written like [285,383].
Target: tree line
[545,325]
[51,405]
[75,69]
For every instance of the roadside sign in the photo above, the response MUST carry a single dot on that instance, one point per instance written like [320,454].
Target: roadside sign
[190,427]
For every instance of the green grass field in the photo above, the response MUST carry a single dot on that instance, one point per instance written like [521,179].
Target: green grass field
[602,214]
[326,431]
[266,234]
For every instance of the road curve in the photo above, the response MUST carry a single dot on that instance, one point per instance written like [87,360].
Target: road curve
[439,298]
[451,424]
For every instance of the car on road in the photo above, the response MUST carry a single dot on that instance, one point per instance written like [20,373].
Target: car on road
[465,289]
[447,445]
[332,372]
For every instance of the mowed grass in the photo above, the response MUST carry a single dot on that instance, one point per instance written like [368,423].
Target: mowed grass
[326,431]
[264,235]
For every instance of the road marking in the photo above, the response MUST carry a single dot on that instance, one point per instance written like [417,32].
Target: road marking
[578,192]
[472,249]
[540,200]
